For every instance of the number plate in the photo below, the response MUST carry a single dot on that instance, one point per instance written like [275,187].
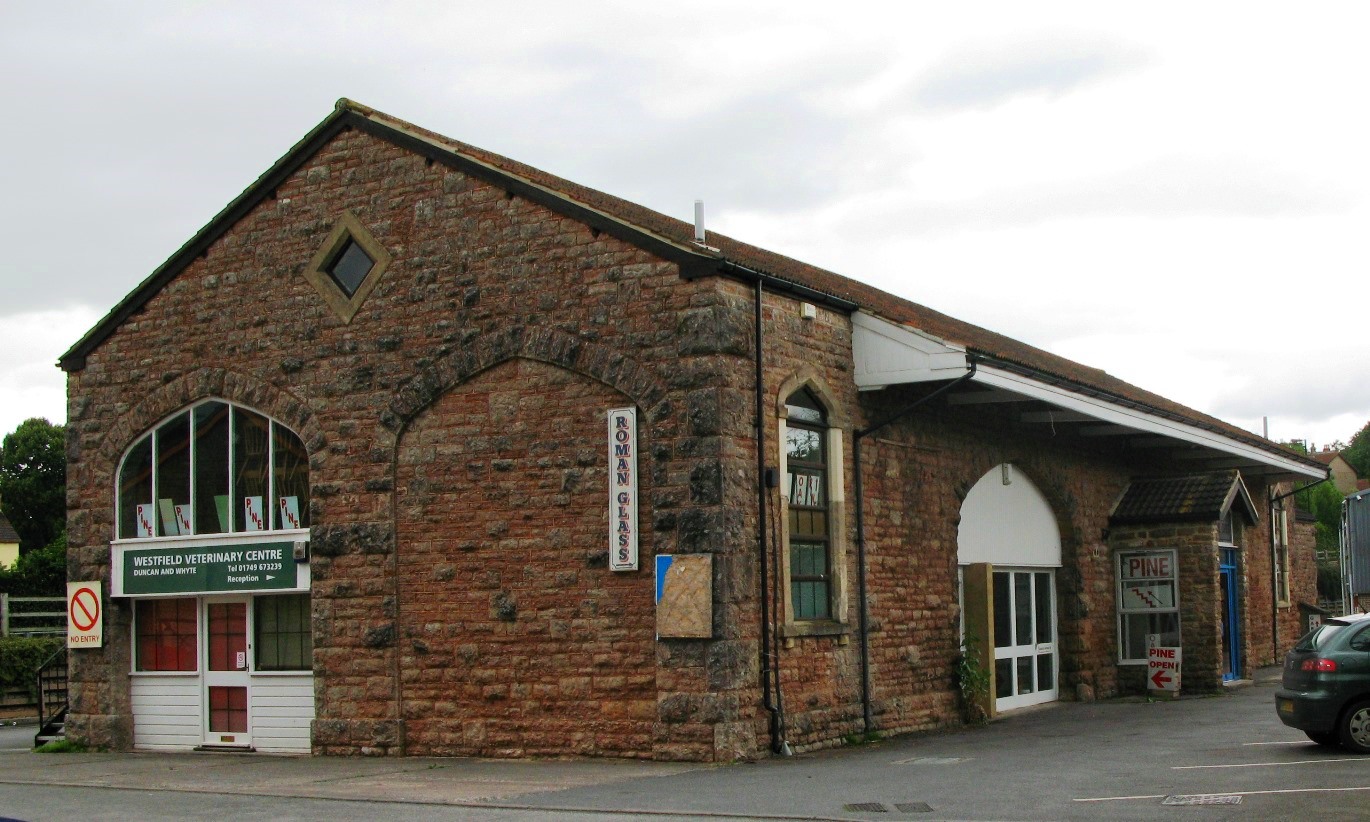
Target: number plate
[1284,706]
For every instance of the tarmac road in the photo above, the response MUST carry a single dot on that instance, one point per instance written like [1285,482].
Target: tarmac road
[1110,760]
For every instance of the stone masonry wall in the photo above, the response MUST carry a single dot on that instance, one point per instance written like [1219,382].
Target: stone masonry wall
[479,278]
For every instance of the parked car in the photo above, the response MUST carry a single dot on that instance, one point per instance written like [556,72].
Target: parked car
[1326,691]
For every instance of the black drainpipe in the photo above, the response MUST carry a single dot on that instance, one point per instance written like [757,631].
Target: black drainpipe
[861,533]
[1274,594]
[770,675]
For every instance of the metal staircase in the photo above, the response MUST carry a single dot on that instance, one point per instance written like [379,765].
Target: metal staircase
[52,699]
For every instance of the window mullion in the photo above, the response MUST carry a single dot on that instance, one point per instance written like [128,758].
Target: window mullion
[232,464]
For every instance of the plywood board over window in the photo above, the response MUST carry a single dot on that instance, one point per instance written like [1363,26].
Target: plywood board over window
[684,596]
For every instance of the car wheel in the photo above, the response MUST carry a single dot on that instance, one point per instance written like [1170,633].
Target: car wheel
[1325,739]
[1355,727]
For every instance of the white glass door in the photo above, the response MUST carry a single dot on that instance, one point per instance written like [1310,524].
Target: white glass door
[1025,664]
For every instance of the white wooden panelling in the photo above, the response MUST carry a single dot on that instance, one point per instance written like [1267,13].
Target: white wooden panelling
[282,708]
[889,354]
[166,712]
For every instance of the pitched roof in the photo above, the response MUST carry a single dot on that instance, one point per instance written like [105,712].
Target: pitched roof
[673,240]
[7,533]
[1193,498]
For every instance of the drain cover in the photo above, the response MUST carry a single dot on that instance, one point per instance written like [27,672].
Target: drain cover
[913,807]
[1204,799]
[866,807]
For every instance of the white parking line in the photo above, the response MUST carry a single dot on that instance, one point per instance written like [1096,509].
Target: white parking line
[1295,742]
[1226,793]
[1266,764]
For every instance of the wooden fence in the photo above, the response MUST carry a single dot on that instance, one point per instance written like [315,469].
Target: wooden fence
[33,616]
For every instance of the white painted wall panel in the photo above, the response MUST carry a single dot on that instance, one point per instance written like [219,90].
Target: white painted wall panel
[1008,525]
[166,712]
[282,708]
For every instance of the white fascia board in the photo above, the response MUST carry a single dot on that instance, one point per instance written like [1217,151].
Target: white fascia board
[1139,420]
[886,354]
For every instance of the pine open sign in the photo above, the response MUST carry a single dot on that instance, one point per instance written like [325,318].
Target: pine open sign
[1162,666]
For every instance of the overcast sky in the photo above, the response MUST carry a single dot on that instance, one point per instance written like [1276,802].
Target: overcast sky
[1175,193]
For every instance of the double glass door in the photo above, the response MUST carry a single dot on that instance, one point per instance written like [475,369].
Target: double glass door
[1025,659]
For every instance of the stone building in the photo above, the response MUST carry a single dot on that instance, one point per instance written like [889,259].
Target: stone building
[418,450]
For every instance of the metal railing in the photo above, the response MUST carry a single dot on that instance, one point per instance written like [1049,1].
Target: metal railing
[52,698]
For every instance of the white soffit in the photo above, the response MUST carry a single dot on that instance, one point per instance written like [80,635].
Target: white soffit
[887,354]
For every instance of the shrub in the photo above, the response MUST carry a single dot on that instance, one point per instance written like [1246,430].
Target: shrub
[20,657]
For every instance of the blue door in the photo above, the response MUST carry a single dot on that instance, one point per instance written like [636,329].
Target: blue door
[1231,616]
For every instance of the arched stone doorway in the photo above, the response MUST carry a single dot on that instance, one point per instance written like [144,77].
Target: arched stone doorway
[1008,547]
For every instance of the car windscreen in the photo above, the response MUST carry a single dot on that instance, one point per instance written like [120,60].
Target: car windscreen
[1319,636]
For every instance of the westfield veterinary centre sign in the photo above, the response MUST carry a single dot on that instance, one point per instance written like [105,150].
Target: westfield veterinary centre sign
[252,567]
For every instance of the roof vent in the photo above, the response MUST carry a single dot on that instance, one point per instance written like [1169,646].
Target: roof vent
[699,221]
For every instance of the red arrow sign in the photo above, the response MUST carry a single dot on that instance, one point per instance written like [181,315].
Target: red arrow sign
[1160,680]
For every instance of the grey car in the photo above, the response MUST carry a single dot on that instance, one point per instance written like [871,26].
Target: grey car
[1326,691]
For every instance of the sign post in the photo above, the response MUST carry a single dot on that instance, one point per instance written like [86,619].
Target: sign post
[1162,667]
[85,623]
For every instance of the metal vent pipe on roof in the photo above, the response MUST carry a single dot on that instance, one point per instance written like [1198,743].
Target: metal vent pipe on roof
[699,221]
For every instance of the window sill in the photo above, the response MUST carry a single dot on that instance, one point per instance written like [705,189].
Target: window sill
[817,627]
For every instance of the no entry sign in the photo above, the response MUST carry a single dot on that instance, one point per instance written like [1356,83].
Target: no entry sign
[85,623]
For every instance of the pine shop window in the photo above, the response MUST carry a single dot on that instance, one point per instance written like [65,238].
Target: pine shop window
[809,514]
[283,637]
[165,634]
[214,468]
[1148,601]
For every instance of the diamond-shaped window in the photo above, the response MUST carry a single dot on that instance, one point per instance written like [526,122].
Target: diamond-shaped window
[347,267]
[350,267]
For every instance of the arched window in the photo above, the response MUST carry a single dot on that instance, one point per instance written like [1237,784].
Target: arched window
[806,459]
[213,468]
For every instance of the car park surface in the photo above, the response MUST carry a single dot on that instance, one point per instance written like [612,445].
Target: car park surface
[1208,757]
[1326,684]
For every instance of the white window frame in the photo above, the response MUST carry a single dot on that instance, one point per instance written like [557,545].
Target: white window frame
[1124,611]
[1279,549]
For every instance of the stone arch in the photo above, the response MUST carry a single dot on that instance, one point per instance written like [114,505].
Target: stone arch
[207,383]
[808,377]
[558,348]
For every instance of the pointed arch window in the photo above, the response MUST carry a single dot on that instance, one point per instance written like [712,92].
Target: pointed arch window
[213,468]
[806,459]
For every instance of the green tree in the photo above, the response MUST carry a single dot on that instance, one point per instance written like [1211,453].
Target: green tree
[40,573]
[1358,452]
[33,482]
[1323,501]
